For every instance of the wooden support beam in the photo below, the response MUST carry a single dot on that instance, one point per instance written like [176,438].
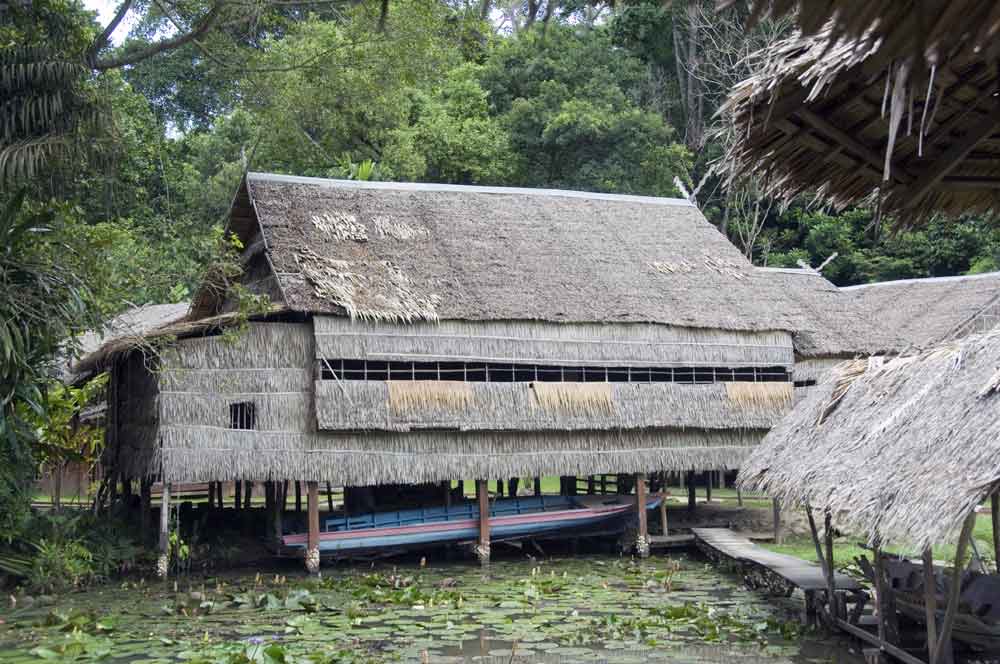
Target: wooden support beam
[446,487]
[776,514]
[930,603]
[692,498]
[663,513]
[237,494]
[298,497]
[483,494]
[944,637]
[814,531]
[163,561]
[329,497]
[893,650]
[950,158]
[995,521]
[247,494]
[867,154]
[642,537]
[538,486]
[145,507]
[708,485]
[831,587]
[312,546]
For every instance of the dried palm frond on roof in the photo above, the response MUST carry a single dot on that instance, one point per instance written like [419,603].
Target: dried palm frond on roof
[910,450]
[919,29]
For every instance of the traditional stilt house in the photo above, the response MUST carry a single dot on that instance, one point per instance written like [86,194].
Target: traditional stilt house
[424,333]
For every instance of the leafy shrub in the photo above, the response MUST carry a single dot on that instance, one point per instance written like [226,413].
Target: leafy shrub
[60,566]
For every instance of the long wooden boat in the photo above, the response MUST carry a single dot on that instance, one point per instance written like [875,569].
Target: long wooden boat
[510,518]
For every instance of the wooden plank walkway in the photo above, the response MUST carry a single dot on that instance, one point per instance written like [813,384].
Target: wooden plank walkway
[800,573]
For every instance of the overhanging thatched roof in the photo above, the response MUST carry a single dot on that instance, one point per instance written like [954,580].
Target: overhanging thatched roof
[145,327]
[923,312]
[911,447]
[921,30]
[130,326]
[402,252]
[846,116]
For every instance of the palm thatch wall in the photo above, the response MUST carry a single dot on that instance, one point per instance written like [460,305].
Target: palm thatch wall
[900,450]
[355,405]
[368,432]
[538,342]
[361,459]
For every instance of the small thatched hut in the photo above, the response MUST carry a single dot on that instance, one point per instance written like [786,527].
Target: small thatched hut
[894,100]
[423,333]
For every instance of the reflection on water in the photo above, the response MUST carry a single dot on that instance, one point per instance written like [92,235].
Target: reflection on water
[583,609]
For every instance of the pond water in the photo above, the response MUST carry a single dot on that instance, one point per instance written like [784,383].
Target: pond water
[581,609]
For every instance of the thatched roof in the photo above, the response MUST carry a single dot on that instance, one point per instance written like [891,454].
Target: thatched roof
[130,326]
[922,30]
[922,312]
[846,117]
[909,449]
[163,322]
[403,252]
[827,323]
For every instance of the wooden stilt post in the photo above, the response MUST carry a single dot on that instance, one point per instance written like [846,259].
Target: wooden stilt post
[446,487]
[329,497]
[145,498]
[831,587]
[237,494]
[312,548]
[483,550]
[930,603]
[298,497]
[995,520]
[604,485]
[278,514]
[823,564]
[538,486]
[663,512]
[944,638]
[642,537]
[591,486]
[247,494]
[739,497]
[708,486]
[692,499]
[500,488]
[776,511]
[163,561]
[211,495]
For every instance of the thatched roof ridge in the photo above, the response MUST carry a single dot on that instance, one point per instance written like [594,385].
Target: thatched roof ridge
[826,321]
[909,449]
[401,252]
[923,312]
[837,115]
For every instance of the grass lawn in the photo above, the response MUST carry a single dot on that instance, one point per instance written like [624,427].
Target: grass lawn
[845,549]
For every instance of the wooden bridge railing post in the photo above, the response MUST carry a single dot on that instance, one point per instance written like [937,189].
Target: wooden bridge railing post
[642,537]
